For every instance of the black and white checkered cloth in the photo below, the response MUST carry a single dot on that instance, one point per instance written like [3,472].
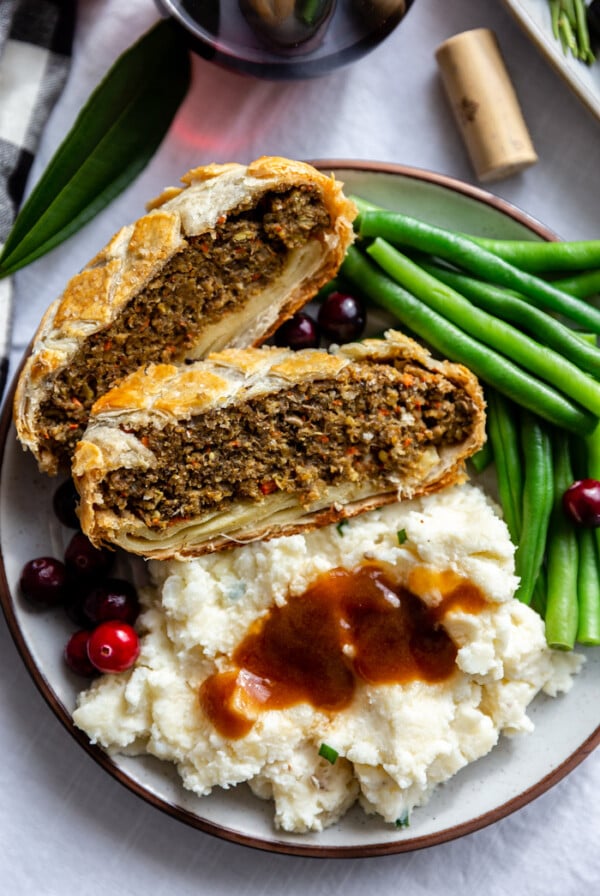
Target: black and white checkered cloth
[36,38]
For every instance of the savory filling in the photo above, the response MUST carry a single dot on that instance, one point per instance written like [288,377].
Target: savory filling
[216,272]
[373,423]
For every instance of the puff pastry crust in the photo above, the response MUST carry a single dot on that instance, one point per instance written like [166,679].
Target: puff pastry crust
[127,422]
[138,253]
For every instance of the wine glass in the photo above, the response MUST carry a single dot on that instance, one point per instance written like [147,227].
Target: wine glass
[285,39]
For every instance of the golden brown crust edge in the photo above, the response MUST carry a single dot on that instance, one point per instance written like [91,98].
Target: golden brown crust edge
[137,252]
[157,394]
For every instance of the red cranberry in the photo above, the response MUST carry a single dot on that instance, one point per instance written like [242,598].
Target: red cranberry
[43,581]
[76,655]
[113,646]
[84,561]
[112,599]
[342,317]
[299,332]
[581,502]
[64,502]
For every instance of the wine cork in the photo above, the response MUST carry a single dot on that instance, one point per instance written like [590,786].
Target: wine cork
[485,104]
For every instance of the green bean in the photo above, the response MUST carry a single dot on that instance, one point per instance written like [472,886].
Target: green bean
[582,256]
[589,545]
[569,27]
[586,54]
[403,230]
[509,306]
[562,615]
[554,17]
[520,348]
[363,205]
[537,504]
[456,345]
[503,432]
[582,286]
[538,599]
[483,458]
[543,256]
[593,453]
[592,471]
[588,588]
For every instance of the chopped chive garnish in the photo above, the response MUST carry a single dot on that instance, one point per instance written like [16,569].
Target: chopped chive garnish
[404,820]
[341,525]
[402,536]
[328,753]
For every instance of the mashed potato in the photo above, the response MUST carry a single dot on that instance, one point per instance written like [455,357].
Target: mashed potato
[395,742]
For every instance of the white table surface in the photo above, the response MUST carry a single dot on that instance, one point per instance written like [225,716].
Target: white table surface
[67,827]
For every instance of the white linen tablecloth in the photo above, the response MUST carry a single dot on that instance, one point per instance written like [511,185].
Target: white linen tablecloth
[65,825]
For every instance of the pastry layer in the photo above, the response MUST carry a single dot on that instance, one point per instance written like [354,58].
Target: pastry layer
[255,443]
[219,262]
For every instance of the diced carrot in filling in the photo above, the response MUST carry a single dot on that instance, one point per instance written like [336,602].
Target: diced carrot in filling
[372,423]
[215,273]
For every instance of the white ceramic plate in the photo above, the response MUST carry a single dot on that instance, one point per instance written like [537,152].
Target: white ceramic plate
[514,773]
[584,80]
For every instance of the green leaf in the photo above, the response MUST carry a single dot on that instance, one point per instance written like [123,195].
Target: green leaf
[113,138]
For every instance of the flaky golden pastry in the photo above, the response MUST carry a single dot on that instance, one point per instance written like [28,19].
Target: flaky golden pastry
[221,261]
[255,443]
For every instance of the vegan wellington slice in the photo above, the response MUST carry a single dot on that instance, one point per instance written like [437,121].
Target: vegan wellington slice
[218,262]
[255,443]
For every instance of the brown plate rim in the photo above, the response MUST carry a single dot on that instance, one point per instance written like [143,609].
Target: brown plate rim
[229,834]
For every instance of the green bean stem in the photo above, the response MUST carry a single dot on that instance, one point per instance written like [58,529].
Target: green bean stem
[520,348]
[456,345]
[537,503]
[562,615]
[406,231]
[503,432]
[509,306]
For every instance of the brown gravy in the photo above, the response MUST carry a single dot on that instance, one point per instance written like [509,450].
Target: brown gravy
[349,626]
